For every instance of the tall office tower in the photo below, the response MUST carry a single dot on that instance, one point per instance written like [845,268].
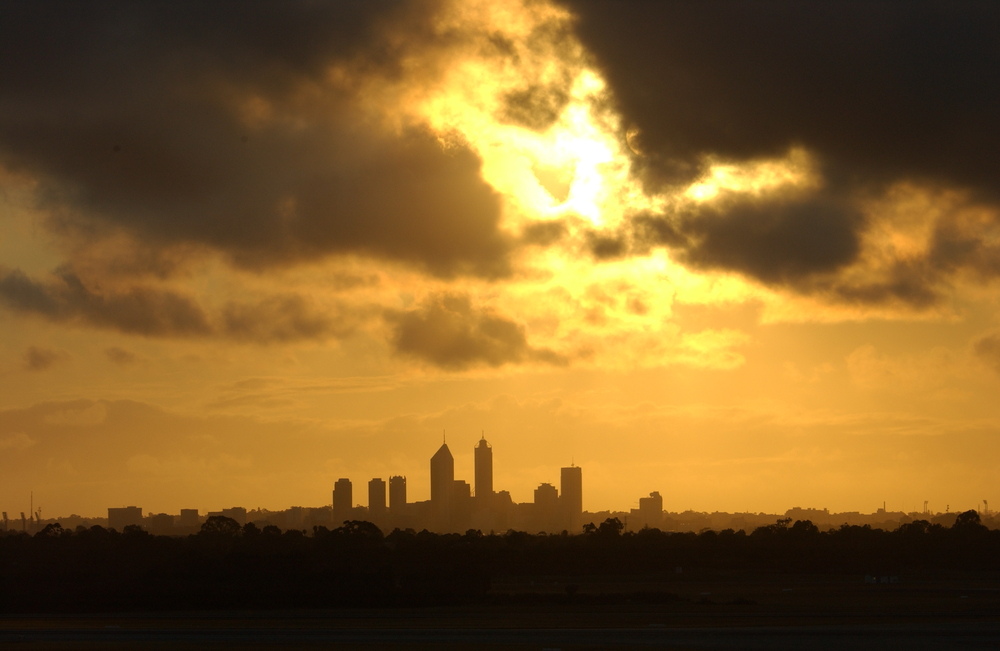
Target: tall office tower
[376,497]
[397,493]
[571,497]
[343,499]
[484,471]
[442,479]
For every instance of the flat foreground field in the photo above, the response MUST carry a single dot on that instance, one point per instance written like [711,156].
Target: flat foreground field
[718,611]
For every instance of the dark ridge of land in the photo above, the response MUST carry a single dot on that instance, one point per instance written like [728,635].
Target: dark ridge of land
[355,566]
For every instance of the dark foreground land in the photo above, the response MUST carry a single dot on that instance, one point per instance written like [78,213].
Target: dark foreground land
[698,609]
[786,586]
[711,611]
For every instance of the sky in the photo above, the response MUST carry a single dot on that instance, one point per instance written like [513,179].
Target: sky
[743,254]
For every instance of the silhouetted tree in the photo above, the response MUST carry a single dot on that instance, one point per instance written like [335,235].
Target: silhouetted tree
[52,530]
[360,529]
[220,526]
[134,531]
[611,527]
[968,521]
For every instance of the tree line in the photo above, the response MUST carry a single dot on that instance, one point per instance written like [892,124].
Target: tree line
[226,565]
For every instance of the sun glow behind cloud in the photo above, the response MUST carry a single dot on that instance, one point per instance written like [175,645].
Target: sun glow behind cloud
[571,166]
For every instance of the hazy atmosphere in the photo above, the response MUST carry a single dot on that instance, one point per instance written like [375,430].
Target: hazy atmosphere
[746,255]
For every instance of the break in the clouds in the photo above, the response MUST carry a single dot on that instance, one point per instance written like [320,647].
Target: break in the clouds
[448,331]
[239,127]
[877,93]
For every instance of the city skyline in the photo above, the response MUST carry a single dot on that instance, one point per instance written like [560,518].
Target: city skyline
[456,505]
[745,256]
[389,505]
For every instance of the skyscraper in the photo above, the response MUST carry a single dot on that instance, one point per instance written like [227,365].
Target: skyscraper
[343,500]
[376,497]
[442,480]
[571,497]
[484,472]
[397,493]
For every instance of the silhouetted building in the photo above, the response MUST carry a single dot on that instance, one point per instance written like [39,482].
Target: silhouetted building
[571,500]
[160,524]
[652,505]
[237,513]
[189,520]
[484,472]
[376,497]
[545,511]
[343,501]
[397,494]
[547,497]
[119,518]
[649,513]
[442,480]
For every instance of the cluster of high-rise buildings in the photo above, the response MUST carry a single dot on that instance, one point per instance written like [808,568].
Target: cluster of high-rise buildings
[454,505]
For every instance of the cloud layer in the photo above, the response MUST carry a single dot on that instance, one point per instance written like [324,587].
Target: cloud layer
[241,128]
[879,94]
[156,312]
[449,332]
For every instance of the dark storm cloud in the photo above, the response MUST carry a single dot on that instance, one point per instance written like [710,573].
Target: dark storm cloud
[185,123]
[156,312]
[39,359]
[449,332]
[143,311]
[878,92]
[774,241]
[881,90]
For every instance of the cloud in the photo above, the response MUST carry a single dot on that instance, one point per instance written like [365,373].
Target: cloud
[138,310]
[777,240]
[281,319]
[39,359]
[79,413]
[156,312]
[120,356]
[987,349]
[243,128]
[16,441]
[877,96]
[449,332]
[880,92]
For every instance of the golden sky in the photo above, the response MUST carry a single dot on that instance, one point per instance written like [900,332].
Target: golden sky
[745,255]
